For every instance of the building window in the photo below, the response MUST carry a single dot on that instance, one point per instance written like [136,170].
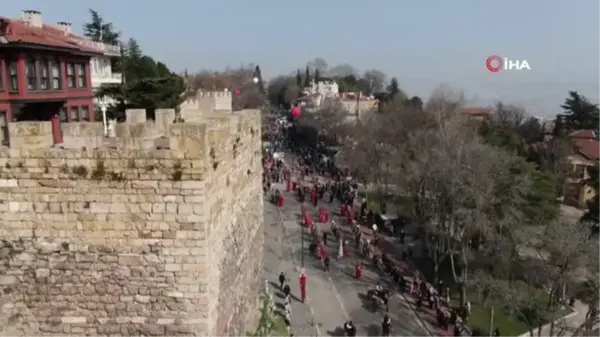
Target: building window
[31,74]
[71,75]
[80,75]
[55,74]
[74,113]
[13,76]
[45,76]
[579,171]
[62,114]
[84,113]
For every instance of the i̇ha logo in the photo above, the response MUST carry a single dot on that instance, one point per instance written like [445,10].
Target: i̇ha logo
[497,63]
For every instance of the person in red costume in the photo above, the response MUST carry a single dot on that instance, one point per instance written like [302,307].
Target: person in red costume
[358,270]
[303,286]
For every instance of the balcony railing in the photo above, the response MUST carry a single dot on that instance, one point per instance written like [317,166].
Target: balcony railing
[107,49]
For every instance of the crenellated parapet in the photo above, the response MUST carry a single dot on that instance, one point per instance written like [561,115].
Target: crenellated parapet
[156,230]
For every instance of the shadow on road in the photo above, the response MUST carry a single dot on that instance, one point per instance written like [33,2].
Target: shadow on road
[366,302]
[372,330]
[337,332]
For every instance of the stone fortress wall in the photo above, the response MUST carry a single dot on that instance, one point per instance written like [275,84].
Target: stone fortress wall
[156,231]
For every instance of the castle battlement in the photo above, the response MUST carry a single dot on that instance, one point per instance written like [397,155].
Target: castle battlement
[206,103]
[156,230]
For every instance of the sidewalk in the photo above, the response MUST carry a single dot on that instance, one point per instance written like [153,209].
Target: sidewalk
[569,324]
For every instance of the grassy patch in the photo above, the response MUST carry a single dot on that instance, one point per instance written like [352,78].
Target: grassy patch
[481,314]
[396,204]
[508,321]
[279,329]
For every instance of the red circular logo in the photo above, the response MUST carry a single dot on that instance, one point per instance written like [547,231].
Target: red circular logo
[494,63]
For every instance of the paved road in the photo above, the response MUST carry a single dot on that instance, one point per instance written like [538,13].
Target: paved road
[332,298]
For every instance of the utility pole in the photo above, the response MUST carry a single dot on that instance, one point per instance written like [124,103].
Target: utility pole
[357,106]
[492,322]
[302,245]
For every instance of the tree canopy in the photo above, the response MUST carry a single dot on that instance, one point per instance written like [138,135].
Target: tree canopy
[148,84]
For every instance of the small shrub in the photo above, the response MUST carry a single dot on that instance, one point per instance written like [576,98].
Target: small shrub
[46,169]
[150,167]
[177,175]
[64,169]
[177,165]
[80,170]
[117,176]
[20,164]
[7,165]
[99,171]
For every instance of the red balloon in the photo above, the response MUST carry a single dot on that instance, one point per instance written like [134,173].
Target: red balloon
[296,112]
[237,92]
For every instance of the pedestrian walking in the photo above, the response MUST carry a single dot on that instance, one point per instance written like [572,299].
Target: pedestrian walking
[326,263]
[386,325]
[287,290]
[281,280]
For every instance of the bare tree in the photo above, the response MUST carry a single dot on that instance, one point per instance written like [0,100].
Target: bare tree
[376,80]
[509,116]
[342,70]
[553,157]
[317,64]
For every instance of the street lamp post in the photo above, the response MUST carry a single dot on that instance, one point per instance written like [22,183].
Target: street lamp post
[302,245]
[104,122]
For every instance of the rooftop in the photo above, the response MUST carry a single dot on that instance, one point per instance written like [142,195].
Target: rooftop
[34,32]
[477,111]
[586,143]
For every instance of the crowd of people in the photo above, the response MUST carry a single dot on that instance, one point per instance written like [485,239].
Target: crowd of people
[315,179]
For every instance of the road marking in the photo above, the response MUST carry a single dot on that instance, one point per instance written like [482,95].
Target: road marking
[339,299]
[312,316]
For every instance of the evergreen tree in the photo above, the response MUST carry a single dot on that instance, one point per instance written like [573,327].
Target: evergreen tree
[580,113]
[394,88]
[258,73]
[307,77]
[317,76]
[298,79]
[150,85]
[99,30]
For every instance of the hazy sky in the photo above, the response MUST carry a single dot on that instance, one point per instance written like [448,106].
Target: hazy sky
[423,43]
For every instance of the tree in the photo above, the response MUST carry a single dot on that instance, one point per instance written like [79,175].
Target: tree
[342,70]
[375,81]
[150,85]
[317,76]
[393,88]
[580,113]
[318,63]
[298,79]
[283,91]
[307,78]
[99,30]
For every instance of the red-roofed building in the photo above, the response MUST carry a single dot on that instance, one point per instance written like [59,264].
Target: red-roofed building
[586,154]
[477,113]
[44,71]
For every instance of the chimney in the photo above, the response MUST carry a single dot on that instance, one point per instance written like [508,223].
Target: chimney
[65,27]
[33,18]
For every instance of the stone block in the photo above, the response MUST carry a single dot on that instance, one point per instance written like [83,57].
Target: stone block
[115,230]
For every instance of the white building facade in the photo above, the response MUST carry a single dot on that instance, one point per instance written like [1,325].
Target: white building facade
[102,71]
